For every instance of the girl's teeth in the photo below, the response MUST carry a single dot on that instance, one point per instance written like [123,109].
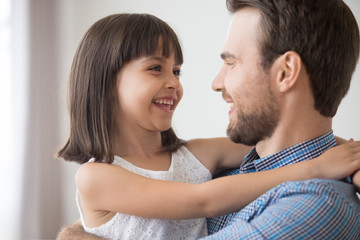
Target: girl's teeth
[161,101]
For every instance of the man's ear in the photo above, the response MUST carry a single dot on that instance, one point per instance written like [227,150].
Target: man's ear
[288,71]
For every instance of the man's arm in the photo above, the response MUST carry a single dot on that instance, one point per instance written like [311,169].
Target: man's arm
[76,232]
[313,209]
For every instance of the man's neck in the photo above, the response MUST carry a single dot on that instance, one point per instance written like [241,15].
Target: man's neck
[290,133]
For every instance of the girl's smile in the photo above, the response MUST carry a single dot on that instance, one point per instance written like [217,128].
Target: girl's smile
[166,104]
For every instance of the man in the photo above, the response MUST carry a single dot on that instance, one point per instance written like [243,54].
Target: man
[287,66]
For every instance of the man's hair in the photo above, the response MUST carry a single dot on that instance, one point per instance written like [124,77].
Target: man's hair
[106,47]
[323,32]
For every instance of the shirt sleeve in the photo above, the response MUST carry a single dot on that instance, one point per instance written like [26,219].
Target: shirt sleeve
[299,211]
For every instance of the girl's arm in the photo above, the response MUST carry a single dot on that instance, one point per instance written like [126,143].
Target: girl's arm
[105,187]
[218,154]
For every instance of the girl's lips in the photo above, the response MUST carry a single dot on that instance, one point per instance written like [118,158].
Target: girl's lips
[165,107]
[165,103]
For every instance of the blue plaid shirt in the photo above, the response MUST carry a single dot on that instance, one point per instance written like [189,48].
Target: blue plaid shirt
[311,209]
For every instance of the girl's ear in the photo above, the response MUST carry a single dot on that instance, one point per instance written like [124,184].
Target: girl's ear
[288,71]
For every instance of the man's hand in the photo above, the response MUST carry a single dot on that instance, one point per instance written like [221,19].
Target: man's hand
[76,232]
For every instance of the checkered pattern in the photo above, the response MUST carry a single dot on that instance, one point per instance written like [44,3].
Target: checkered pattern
[216,223]
[312,209]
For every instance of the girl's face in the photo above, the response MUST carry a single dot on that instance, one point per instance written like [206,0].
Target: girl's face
[148,91]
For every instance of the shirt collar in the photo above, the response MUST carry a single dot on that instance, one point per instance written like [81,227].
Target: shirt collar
[297,153]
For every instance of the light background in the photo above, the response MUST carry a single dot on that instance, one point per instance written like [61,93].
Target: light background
[39,192]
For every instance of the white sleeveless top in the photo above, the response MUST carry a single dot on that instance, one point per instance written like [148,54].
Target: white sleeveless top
[185,167]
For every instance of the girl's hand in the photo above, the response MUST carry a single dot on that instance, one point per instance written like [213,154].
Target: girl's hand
[356,180]
[338,162]
[356,176]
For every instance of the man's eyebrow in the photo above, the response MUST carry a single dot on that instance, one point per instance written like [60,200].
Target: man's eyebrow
[227,55]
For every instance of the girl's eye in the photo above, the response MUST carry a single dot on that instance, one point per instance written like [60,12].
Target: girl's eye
[156,68]
[177,72]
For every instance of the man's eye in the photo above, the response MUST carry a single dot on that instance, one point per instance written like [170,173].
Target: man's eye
[229,63]
[156,68]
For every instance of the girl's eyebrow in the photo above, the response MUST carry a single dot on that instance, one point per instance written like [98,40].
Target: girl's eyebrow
[161,59]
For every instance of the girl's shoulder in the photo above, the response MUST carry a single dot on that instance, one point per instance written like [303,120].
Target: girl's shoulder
[88,174]
[207,150]
[218,154]
[185,161]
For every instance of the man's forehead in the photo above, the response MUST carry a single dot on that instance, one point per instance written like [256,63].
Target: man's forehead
[229,26]
[242,31]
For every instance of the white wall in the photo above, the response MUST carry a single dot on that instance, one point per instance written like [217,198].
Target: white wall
[201,26]
[347,120]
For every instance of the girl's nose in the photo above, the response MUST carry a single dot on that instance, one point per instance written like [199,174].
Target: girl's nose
[172,82]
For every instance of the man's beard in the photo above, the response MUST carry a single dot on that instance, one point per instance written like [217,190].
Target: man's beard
[253,127]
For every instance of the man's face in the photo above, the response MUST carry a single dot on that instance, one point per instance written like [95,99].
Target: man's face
[254,109]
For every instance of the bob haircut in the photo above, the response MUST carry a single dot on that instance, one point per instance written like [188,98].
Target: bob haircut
[110,43]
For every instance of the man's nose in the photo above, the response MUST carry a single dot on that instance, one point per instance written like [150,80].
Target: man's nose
[218,83]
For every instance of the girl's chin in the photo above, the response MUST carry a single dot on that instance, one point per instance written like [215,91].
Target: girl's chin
[164,128]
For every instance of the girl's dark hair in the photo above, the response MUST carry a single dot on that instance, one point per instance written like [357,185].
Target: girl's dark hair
[110,43]
[323,32]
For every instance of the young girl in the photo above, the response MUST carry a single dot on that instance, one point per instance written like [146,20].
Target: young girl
[124,87]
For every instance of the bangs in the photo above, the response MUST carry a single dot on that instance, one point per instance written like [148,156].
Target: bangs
[149,36]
